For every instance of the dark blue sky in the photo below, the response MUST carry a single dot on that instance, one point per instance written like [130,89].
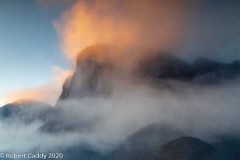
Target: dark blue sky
[213,30]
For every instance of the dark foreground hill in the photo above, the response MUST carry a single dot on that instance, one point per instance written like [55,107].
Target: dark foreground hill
[25,111]
[184,148]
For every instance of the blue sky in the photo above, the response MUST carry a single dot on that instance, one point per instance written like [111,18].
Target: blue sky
[29,44]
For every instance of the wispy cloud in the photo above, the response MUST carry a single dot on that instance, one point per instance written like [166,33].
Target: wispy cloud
[48,93]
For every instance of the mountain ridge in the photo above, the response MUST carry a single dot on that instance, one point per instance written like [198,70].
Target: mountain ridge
[94,69]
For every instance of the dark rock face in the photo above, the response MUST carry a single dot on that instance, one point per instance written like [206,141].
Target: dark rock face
[164,66]
[89,78]
[208,71]
[165,143]
[94,71]
[202,71]
[187,148]
[183,148]
[145,143]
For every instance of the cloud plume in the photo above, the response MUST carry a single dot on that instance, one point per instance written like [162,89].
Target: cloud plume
[203,112]
[125,24]
[48,93]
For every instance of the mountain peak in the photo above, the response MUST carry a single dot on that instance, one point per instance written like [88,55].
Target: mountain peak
[24,110]
[164,66]
[95,68]
[186,148]
[28,102]
[205,61]
[92,65]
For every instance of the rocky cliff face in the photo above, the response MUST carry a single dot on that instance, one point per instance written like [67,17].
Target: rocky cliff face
[89,79]
[202,71]
[94,70]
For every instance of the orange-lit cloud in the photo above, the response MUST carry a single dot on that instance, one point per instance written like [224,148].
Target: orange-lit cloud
[47,93]
[125,24]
